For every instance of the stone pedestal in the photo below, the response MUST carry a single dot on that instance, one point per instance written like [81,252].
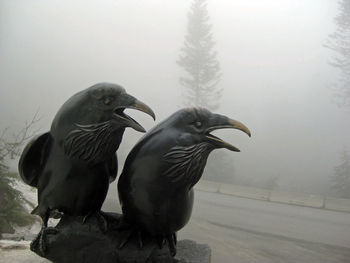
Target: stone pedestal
[87,243]
[189,251]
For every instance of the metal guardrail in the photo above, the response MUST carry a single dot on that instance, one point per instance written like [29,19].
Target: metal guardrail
[337,204]
[292,198]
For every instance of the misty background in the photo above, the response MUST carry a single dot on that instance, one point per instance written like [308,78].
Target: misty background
[276,76]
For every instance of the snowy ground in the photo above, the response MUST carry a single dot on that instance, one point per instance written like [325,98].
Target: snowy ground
[18,252]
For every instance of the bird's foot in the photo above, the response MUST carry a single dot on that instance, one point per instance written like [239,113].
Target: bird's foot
[175,237]
[127,229]
[100,218]
[172,240]
[161,242]
[123,225]
[38,244]
[129,234]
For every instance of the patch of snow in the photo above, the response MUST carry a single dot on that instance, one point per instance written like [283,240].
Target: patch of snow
[4,242]
[30,193]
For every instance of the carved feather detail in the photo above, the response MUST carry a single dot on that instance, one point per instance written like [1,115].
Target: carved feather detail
[187,163]
[91,143]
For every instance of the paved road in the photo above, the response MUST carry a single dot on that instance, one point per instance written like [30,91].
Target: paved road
[285,221]
[242,230]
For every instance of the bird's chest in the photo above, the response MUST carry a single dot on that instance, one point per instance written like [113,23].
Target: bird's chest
[171,212]
[183,166]
[65,168]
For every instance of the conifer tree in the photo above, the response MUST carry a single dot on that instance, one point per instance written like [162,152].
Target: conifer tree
[339,42]
[199,60]
[13,204]
[341,177]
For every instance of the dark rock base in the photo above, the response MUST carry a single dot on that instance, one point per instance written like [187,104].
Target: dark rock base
[87,243]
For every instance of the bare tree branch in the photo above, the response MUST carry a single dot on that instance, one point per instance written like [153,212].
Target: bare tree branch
[11,147]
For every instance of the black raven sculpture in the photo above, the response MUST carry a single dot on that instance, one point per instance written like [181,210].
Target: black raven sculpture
[73,164]
[156,185]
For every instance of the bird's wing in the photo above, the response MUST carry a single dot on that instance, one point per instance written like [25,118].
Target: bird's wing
[33,158]
[112,166]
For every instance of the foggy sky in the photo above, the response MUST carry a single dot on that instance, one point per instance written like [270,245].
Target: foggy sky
[276,76]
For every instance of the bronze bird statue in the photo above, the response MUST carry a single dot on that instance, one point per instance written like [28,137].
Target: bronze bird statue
[73,164]
[156,185]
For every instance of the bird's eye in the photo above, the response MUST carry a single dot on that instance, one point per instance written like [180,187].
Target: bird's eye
[107,100]
[198,124]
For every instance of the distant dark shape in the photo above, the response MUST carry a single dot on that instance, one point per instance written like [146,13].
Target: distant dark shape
[73,164]
[156,185]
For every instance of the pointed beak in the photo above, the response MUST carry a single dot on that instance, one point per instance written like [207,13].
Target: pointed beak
[239,126]
[139,105]
[222,122]
[132,103]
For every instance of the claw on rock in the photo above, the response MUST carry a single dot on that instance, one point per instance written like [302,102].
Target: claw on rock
[161,242]
[128,236]
[125,239]
[100,217]
[175,238]
[172,244]
[39,243]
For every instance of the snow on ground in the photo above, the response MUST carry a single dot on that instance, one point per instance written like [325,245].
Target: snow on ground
[30,194]
[18,252]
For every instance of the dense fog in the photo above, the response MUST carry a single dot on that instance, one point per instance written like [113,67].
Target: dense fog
[276,75]
[280,66]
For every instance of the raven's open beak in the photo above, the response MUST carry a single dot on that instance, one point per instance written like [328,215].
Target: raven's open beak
[221,122]
[132,103]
